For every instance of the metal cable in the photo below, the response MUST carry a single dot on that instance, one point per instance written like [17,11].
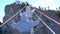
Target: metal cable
[12,17]
[45,24]
[49,18]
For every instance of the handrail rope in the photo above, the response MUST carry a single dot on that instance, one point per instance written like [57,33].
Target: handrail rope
[45,24]
[12,17]
[50,18]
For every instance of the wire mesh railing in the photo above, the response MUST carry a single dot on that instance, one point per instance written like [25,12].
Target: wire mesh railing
[45,24]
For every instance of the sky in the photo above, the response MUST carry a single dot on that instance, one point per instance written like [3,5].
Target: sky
[53,4]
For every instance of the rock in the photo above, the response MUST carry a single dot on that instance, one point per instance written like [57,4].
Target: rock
[10,10]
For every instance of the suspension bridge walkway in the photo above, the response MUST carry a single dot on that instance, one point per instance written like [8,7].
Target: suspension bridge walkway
[29,26]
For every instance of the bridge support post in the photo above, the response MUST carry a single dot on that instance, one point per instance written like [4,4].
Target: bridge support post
[32,31]
[3,30]
[51,25]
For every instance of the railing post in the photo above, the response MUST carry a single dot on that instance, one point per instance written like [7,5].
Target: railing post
[32,31]
[3,30]
[51,24]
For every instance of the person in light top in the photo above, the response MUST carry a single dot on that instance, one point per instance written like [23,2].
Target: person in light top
[29,12]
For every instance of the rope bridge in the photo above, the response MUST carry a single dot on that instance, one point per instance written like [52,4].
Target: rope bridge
[37,16]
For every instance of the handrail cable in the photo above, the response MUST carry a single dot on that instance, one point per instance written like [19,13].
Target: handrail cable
[45,24]
[12,17]
[49,18]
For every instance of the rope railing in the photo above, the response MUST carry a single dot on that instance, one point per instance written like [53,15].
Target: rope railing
[49,18]
[12,17]
[45,24]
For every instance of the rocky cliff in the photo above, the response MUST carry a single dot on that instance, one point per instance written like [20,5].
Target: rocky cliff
[10,10]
